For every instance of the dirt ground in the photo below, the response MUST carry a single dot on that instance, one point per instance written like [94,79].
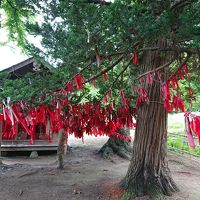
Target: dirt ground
[86,175]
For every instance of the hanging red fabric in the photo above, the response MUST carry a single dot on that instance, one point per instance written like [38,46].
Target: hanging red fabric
[189,132]
[168,106]
[195,125]
[135,58]
[181,105]
[79,82]
[105,76]
[180,74]
[1,117]
[185,68]
[69,87]
[149,79]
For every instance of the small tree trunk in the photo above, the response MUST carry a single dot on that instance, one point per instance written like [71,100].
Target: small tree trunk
[116,146]
[61,149]
[48,129]
[148,172]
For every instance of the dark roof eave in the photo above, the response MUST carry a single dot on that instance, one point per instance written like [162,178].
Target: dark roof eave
[19,65]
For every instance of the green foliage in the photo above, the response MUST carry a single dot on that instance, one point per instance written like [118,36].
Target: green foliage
[31,87]
[70,31]
[91,94]
[16,17]
[185,86]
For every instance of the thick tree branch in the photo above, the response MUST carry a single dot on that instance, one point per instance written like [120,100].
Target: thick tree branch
[185,61]
[125,68]
[101,2]
[179,4]
[87,66]
[114,54]
[104,70]
[113,83]
[122,52]
[179,49]
[91,78]
[157,69]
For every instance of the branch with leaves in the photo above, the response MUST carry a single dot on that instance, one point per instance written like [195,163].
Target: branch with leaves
[104,70]
[116,79]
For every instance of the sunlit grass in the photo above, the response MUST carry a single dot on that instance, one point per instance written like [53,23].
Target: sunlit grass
[176,135]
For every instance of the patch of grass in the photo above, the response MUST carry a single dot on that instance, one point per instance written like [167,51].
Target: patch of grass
[179,143]
[176,135]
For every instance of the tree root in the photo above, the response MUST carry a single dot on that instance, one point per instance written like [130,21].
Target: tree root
[156,188]
[116,146]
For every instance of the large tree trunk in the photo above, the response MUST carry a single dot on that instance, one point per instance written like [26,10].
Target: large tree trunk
[117,146]
[148,172]
[61,149]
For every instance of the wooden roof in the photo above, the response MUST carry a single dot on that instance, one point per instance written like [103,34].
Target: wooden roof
[20,69]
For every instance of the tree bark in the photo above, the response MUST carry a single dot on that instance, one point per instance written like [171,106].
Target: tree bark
[61,149]
[116,146]
[148,172]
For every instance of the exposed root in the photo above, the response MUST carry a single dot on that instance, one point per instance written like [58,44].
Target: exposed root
[117,147]
[155,187]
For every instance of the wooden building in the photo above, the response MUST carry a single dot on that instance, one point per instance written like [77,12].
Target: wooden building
[20,69]
[22,143]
